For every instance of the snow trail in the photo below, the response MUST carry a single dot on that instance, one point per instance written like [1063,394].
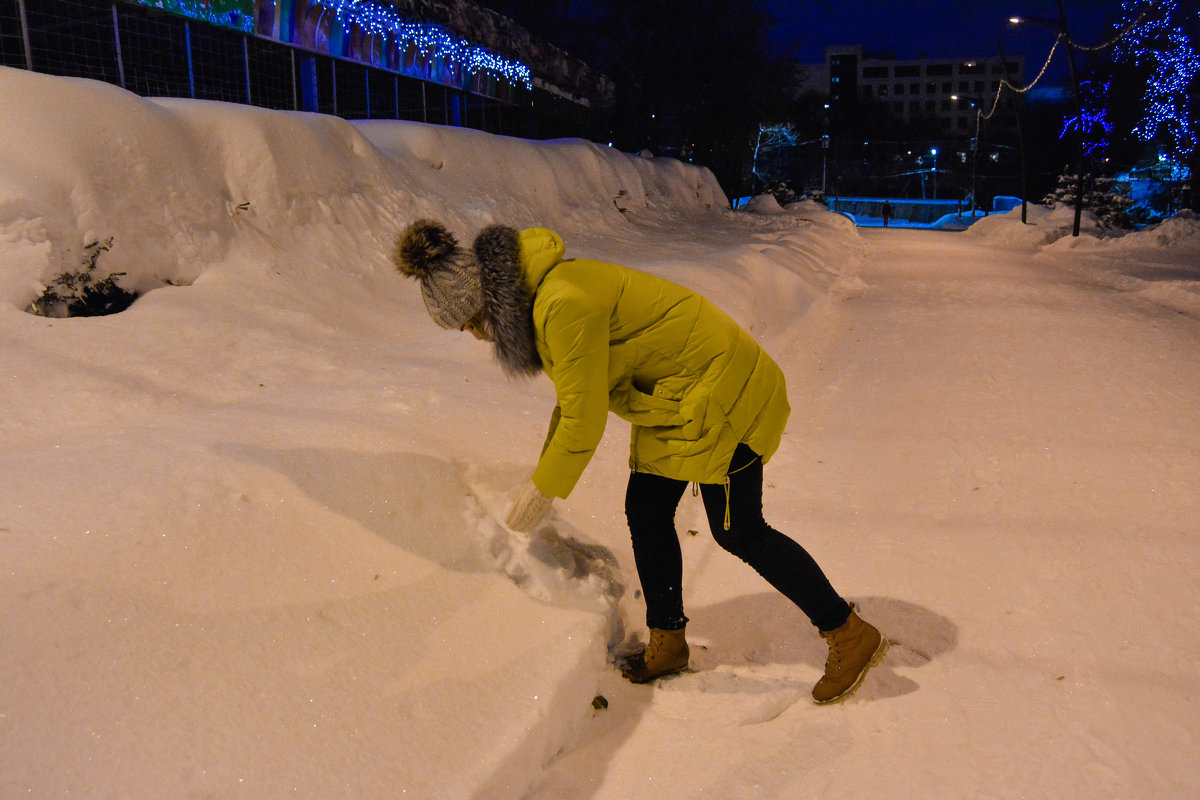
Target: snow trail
[1047,376]
[974,437]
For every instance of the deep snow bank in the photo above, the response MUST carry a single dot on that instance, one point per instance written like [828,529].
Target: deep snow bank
[173,182]
[249,525]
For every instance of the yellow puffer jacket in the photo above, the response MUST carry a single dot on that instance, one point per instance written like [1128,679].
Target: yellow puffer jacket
[687,377]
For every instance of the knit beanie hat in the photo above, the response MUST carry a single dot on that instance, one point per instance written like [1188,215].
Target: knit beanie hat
[449,274]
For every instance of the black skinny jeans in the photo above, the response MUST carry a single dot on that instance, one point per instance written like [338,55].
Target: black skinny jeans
[650,504]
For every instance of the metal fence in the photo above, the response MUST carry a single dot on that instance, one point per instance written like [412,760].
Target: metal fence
[156,54]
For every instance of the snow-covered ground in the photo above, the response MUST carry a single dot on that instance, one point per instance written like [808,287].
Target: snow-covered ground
[248,528]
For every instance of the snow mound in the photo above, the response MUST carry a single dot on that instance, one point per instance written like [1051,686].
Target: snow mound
[1178,233]
[1051,228]
[1167,271]
[763,204]
[1043,226]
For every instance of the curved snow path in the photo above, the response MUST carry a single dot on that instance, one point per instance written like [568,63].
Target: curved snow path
[997,458]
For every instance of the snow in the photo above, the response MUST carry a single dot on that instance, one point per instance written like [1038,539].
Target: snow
[248,532]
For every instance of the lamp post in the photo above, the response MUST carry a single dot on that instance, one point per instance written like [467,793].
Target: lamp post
[1020,145]
[824,148]
[974,148]
[1061,27]
[974,166]
[935,171]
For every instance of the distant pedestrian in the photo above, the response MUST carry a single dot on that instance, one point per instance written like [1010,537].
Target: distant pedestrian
[887,212]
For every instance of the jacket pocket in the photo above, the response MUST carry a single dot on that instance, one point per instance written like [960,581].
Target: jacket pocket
[647,410]
[651,411]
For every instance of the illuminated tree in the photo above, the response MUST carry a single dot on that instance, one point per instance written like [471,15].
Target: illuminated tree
[1164,43]
[769,150]
[1093,125]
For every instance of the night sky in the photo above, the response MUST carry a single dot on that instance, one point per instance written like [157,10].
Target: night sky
[938,28]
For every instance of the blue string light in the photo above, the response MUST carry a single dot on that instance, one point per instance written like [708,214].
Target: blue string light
[431,41]
[374,19]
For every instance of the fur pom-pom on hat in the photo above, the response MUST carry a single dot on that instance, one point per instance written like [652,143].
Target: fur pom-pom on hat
[422,247]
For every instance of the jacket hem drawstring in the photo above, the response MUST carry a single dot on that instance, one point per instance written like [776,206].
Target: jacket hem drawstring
[696,490]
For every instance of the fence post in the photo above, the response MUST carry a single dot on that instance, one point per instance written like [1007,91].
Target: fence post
[333,83]
[308,83]
[25,35]
[246,64]
[187,43]
[117,43]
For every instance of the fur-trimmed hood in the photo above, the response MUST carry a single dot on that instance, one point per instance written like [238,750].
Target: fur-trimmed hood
[507,302]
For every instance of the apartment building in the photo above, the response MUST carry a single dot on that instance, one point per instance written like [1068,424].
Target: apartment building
[945,89]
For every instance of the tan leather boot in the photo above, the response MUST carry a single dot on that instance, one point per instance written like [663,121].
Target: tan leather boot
[665,654]
[853,649]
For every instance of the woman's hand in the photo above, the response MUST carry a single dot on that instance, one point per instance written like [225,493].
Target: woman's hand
[529,509]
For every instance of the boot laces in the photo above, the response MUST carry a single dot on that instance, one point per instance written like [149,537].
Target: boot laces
[834,659]
[656,643]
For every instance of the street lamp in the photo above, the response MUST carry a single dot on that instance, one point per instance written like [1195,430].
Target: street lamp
[1061,27]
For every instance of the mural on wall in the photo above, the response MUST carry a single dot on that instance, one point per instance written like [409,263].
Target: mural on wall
[236,14]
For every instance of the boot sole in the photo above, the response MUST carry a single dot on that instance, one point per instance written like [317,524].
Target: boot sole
[872,662]
[642,680]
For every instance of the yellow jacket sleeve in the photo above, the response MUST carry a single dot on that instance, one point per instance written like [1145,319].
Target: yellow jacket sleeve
[577,345]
